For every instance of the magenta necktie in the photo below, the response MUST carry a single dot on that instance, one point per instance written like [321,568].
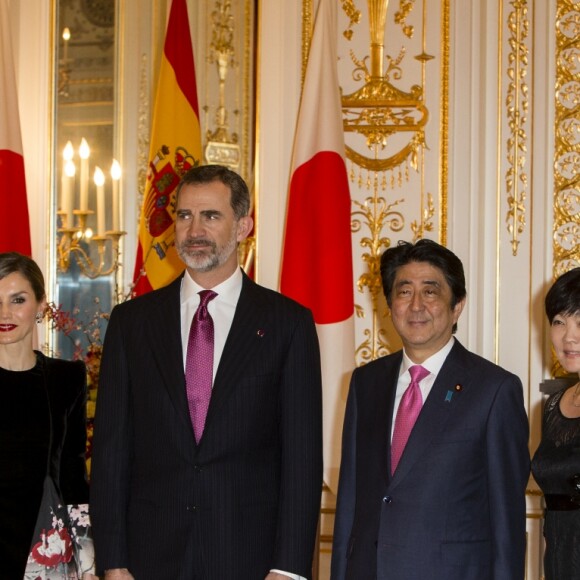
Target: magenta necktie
[409,409]
[199,364]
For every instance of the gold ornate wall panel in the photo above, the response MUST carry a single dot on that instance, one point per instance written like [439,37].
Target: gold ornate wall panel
[226,95]
[516,104]
[394,75]
[566,244]
[224,42]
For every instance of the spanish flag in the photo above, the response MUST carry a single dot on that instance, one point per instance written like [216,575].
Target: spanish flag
[174,148]
[14,222]
[317,266]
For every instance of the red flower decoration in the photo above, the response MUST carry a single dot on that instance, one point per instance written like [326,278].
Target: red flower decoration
[54,548]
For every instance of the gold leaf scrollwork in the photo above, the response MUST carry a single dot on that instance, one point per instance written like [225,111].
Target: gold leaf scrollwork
[405,8]
[517,104]
[375,215]
[354,16]
[425,224]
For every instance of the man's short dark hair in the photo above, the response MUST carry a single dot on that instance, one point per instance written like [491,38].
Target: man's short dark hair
[240,196]
[564,295]
[423,251]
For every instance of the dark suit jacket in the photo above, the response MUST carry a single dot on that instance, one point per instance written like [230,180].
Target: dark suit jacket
[246,499]
[455,507]
[66,384]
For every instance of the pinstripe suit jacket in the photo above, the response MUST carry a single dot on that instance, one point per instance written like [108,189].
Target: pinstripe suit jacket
[246,499]
[455,507]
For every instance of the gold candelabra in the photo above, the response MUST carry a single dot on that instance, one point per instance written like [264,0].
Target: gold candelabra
[78,241]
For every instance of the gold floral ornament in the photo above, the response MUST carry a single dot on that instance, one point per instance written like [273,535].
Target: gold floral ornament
[379,111]
[517,104]
[405,8]
[354,16]
[376,215]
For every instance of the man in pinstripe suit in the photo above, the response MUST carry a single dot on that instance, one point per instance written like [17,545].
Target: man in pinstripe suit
[242,501]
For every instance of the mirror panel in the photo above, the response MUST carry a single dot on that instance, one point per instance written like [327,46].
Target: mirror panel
[87,198]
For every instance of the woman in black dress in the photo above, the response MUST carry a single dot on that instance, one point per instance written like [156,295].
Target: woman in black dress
[556,464]
[42,435]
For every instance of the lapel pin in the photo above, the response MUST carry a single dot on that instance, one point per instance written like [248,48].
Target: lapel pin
[448,396]
[260,333]
[459,388]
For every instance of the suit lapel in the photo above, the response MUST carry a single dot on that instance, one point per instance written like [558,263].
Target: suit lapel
[436,410]
[164,330]
[384,400]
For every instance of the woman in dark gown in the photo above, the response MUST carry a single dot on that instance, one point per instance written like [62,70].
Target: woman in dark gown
[42,422]
[556,463]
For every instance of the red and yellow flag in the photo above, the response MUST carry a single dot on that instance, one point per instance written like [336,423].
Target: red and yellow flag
[175,147]
[317,268]
[14,222]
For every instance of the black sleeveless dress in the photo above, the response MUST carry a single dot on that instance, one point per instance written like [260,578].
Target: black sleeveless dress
[24,447]
[556,468]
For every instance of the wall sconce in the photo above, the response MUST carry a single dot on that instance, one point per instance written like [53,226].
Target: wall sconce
[77,239]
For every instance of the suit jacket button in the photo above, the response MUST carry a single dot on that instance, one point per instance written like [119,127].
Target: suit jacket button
[387,499]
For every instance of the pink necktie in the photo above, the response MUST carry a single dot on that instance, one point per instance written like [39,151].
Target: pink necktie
[409,409]
[199,363]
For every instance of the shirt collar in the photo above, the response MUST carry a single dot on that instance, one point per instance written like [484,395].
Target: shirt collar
[228,291]
[434,363]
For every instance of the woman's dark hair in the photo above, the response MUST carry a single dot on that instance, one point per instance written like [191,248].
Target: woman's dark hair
[240,196]
[11,262]
[564,295]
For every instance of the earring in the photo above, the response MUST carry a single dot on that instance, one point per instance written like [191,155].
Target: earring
[39,316]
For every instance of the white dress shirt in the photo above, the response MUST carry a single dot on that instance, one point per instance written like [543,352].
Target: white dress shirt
[433,364]
[222,309]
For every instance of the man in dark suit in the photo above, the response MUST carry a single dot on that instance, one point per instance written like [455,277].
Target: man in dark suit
[238,495]
[434,468]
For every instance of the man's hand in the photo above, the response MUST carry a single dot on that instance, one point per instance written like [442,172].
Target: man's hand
[118,574]
[276,576]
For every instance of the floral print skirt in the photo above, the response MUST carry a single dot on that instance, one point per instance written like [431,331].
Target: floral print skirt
[62,547]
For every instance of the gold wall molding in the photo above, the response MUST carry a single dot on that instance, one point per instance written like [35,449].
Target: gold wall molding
[444,121]
[307,26]
[221,143]
[517,105]
[566,244]
[143,131]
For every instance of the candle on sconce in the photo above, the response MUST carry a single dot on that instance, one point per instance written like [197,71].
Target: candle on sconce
[116,176]
[69,177]
[99,178]
[65,38]
[84,154]
[67,184]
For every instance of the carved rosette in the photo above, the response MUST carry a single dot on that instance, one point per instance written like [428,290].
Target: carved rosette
[567,139]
